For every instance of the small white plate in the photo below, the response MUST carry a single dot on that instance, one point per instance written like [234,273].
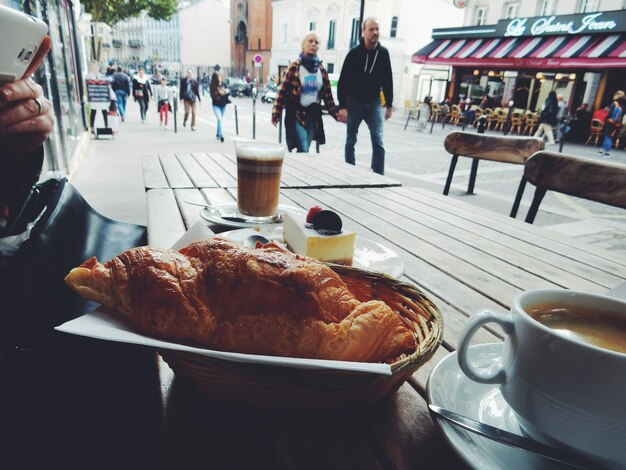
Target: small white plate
[368,254]
[227,215]
[449,388]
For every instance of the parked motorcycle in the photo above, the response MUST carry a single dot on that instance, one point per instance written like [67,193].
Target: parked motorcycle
[270,93]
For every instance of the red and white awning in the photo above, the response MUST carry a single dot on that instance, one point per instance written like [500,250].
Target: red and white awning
[586,51]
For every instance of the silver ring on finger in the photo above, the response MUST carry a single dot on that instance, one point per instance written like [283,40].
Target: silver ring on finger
[39,105]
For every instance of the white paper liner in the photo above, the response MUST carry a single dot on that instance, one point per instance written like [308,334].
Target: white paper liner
[102,324]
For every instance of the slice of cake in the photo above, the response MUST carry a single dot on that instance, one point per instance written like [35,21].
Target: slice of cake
[319,235]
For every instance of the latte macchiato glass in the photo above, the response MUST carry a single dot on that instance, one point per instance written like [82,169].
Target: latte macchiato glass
[563,370]
[259,169]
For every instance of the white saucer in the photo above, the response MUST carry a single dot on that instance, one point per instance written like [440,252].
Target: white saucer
[368,254]
[449,388]
[227,215]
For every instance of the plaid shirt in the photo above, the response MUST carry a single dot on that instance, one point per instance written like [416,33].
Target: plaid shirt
[290,91]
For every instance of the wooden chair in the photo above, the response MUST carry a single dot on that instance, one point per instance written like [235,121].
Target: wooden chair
[517,121]
[596,180]
[514,150]
[531,122]
[436,112]
[597,127]
[501,119]
[492,117]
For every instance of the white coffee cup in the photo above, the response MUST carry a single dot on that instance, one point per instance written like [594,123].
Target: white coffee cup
[563,390]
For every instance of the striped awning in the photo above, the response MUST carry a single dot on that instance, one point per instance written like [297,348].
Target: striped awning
[584,51]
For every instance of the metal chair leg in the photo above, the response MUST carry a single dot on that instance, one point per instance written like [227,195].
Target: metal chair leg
[534,207]
[472,180]
[446,189]
[518,197]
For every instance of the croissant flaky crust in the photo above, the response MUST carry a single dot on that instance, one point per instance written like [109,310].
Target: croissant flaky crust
[224,296]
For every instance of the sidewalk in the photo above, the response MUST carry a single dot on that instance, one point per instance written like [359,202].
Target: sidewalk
[110,176]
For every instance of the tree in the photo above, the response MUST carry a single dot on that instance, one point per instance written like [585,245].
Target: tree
[113,11]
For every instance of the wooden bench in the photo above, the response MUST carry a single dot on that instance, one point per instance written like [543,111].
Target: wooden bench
[596,180]
[486,147]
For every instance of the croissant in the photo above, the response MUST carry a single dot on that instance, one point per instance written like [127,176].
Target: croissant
[221,295]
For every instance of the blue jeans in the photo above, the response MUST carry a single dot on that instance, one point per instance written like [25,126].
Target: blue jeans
[372,114]
[304,135]
[607,143]
[121,96]
[219,114]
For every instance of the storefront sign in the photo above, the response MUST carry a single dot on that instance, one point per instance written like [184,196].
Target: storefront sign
[586,23]
[98,91]
[593,23]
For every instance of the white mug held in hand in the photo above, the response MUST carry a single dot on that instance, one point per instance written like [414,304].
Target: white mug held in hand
[563,370]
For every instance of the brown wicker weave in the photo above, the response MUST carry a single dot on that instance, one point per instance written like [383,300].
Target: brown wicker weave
[282,388]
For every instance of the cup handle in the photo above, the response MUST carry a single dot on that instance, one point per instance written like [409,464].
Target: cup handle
[494,373]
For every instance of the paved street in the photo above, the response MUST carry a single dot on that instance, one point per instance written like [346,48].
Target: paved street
[110,175]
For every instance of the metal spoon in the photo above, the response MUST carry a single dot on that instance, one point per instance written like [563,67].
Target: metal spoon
[250,241]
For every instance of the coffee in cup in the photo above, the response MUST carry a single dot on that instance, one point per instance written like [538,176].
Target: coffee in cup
[563,369]
[259,169]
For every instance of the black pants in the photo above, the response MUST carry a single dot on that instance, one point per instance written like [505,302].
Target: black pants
[92,118]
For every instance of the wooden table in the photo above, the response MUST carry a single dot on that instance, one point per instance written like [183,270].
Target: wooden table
[464,258]
[219,170]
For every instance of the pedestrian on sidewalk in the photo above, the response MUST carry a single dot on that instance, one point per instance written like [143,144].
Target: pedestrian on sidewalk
[121,87]
[163,97]
[219,98]
[189,94]
[365,72]
[613,122]
[547,118]
[142,92]
[301,93]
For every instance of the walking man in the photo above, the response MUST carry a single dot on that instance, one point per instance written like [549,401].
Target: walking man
[365,72]
[121,87]
[189,93]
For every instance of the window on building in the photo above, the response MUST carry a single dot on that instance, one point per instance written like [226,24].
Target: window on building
[330,68]
[312,25]
[510,10]
[588,6]
[332,26]
[546,7]
[283,33]
[394,27]
[355,32]
[480,15]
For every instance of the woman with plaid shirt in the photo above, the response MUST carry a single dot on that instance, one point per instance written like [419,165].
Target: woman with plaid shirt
[305,85]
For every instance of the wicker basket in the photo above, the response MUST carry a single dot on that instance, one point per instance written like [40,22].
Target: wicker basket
[288,389]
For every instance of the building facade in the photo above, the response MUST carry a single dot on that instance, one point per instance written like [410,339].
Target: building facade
[403,24]
[521,50]
[145,41]
[205,35]
[251,38]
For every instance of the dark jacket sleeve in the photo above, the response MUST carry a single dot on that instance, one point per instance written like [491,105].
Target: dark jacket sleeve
[183,85]
[16,179]
[387,80]
[345,79]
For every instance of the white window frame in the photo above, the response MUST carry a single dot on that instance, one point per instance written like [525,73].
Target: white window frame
[355,31]
[312,25]
[510,10]
[588,6]
[480,15]
[546,7]
[284,32]
[331,43]
[393,31]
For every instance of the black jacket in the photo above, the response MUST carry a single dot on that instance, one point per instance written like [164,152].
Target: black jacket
[194,90]
[363,74]
[121,81]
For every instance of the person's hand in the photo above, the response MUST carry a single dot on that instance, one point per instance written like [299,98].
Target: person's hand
[388,113]
[274,121]
[26,116]
[342,115]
